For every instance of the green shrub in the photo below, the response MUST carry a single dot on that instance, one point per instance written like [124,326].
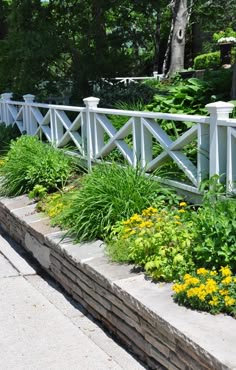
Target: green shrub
[214,239]
[157,240]
[206,61]
[208,290]
[7,133]
[109,194]
[214,230]
[188,97]
[111,94]
[30,162]
[229,32]
[220,82]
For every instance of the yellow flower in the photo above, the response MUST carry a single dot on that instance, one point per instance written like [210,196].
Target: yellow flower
[202,295]
[187,276]
[127,229]
[190,280]
[183,204]
[178,288]
[149,211]
[193,281]
[211,286]
[177,217]
[213,273]
[126,222]
[225,271]
[227,280]
[223,291]
[178,223]
[146,224]
[181,210]
[136,217]
[229,301]
[202,271]
[214,301]
[192,292]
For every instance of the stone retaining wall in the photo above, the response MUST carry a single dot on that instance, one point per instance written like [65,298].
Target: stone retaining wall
[140,313]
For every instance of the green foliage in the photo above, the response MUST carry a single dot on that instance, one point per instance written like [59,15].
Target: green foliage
[158,241]
[7,133]
[188,97]
[208,290]
[30,162]
[214,229]
[220,82]
[215,233]
[38,192]
[110,95]
[229,32]
[108,194]
[206,61]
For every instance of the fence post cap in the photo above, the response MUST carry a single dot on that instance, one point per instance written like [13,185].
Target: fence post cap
[220,107]
[29,98]
[6,96]
[91,102]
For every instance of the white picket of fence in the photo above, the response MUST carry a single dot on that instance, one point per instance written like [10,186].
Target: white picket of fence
[95,137]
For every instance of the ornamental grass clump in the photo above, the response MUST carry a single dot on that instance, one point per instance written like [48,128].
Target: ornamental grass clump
[208,290]
[30,162]
[157,240]
[109,193]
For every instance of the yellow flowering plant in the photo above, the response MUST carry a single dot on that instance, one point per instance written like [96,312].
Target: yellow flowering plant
[157,240]
[208,290]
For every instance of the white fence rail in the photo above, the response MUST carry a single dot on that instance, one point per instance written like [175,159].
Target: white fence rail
[95,137]
[128,80]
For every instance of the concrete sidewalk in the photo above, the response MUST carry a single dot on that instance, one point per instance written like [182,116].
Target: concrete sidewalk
[42,328]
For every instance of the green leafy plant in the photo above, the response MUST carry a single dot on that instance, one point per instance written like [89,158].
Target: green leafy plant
[208,290]
[38,192]
[109,194]
[30,162]
[130,94]
[229,32]
[214,229]
[157,240]
[206,61]
[187,97]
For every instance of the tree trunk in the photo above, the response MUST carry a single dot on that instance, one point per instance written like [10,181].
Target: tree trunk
[180,21]
[157,41]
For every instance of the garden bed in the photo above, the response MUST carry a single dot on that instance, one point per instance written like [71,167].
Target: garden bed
[140,313]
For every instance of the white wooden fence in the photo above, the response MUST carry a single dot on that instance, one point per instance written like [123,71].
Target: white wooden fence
[128,80]
[95,137]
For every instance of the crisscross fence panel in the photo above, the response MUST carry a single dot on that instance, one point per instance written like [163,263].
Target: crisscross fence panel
[95,137]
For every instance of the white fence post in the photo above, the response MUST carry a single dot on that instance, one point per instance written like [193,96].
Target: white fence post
[27,113]
[219,111]
[91,129]
[4,109]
